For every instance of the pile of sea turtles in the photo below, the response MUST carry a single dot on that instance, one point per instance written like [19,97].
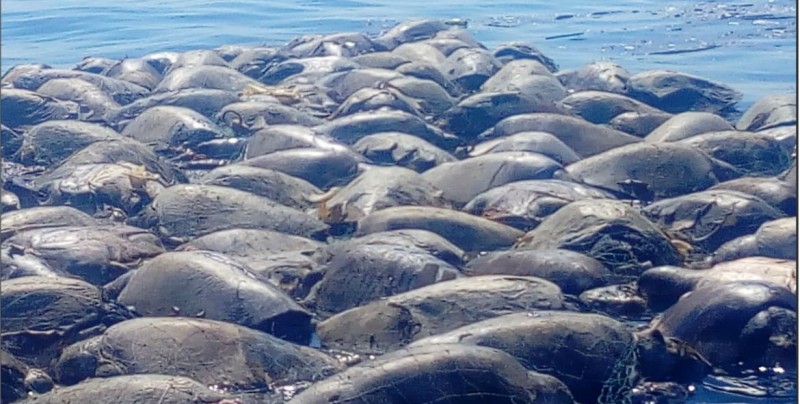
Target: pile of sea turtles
[407,218]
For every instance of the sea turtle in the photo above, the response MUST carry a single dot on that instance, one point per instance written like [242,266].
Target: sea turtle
[171,130]
[50,143]
[24,108]
[43,216]
[208,102]
[360,273]
[639,124]
[599,76]
[149,388]
[677,92]
[734,326]
[525,204]
[773,190]
[41,315]
[509,52]
[123,92]
[324,168]
[668,169]
[489,171]
[273,184]
[583,137]
[210,285]
[182,212]
[750,153]
[663,286]
[775,238]
[471,67]
[708,219]
[768,112]
[134,70]
[401,149]
[573,272]
[351,128]
[10,201]
[469,232]
[441,373]
[225,355]
[95,104]
[607,230]
[600,107]
[115,190]
[388,324]
[379,188]
[536,142]
[481,111]
[594,355]
[95,254]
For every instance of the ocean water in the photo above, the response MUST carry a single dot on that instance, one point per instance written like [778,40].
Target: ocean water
[749,45]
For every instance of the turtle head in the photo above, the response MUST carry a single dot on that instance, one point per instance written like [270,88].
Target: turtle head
[667,359]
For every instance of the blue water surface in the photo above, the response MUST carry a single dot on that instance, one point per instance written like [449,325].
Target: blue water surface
[749,45]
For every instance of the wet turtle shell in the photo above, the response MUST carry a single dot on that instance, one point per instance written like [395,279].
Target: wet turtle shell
[679,92]
[573,272]
[205,76]
[775,239]
[136,71]
[208,102]
[509,52]
[96,254]
[708,219]
[600,76]
[609,231]
[361,273]
[770,112]
[489,171]
[468,232]
[9,201]
[182,212]
[23,108]
[133,389]
[101,189]
[536,142]
[273,184]
[584,138]
[525,204]
[666,169]
[442,373]
[401,149]
[213,286]
[44,216]
[351,128]
[388,324]
[594,355]
[50,143]
[324,168]
[752,154]
[687,124]
[43,314]
[729,322]
[431,242]
[95,104]
[601,107]
[379,188]
[663,286]
[225,355]
[774,191]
